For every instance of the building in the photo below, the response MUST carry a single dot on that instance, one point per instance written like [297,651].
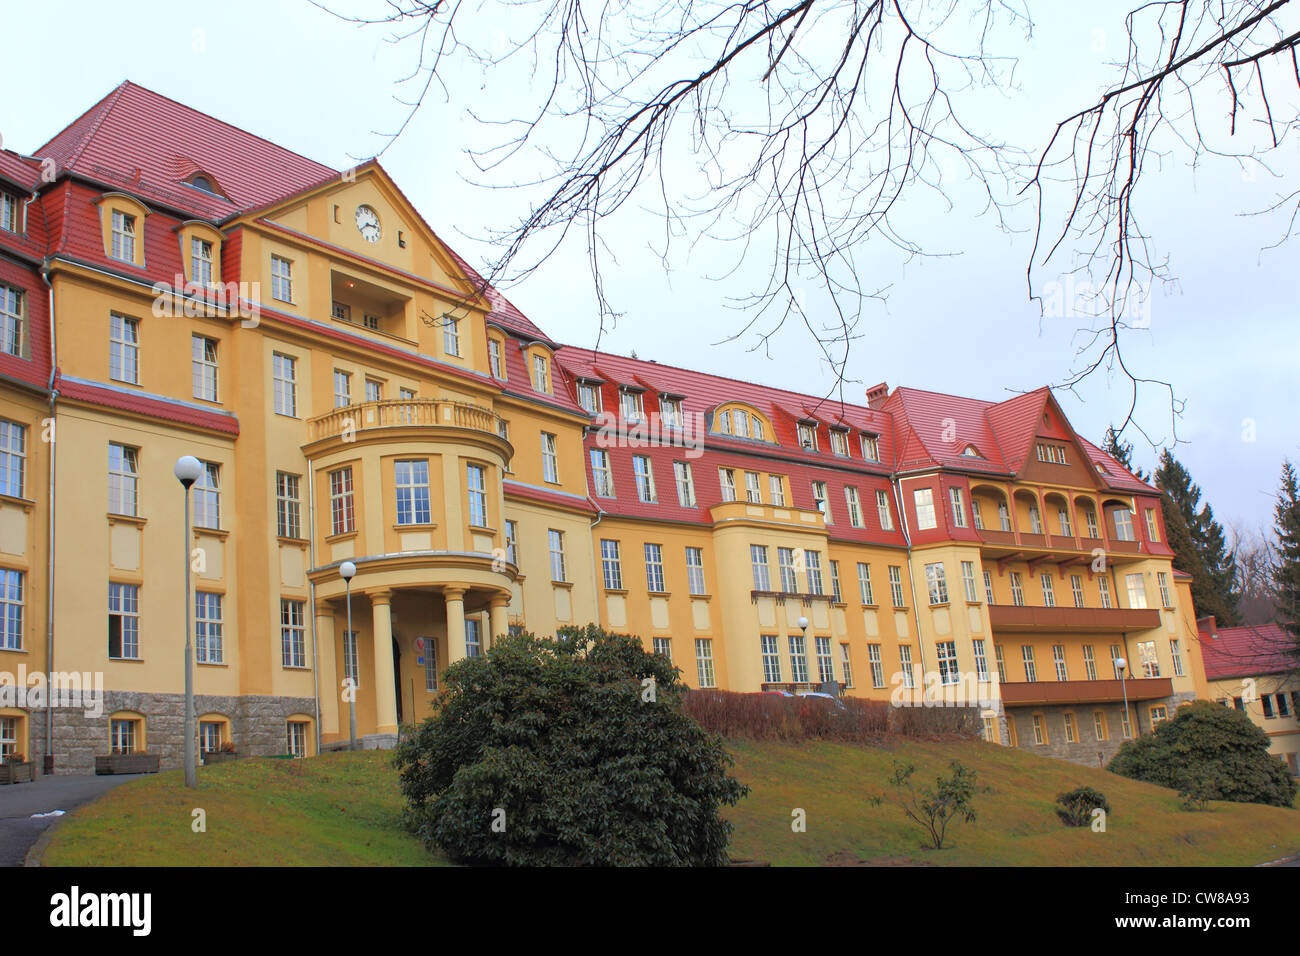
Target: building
[1256,669]
[356,392]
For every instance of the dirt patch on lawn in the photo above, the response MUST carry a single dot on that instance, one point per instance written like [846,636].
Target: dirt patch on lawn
[847,858]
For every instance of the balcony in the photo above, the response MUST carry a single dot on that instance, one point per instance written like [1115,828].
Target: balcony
[1025,694]
[403,413]
[836,688]
[728,512]
[1011,617]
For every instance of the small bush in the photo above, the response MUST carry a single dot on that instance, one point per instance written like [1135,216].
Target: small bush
[934,808]
[1076,807]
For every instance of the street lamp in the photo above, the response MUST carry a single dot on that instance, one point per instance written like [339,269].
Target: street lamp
[348,570]
[1121,663]
[803,626]
[187,470]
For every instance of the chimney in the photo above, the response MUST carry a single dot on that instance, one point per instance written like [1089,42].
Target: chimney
[877,394]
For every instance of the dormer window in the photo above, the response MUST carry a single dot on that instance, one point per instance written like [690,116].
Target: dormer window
[840,442]
[207,183]
[631,405]
[589,397]
[670,411]
[541,374]
[200,261]
[10,220]
[970,451]
[870,447]
[122,245]
[496,358]
[808,435]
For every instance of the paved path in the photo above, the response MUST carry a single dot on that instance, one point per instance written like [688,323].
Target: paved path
[18,801]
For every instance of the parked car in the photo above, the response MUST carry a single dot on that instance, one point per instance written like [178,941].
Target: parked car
[819,695]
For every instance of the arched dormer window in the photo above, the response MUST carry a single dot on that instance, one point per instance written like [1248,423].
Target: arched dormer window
[121,220]
[742,421]
[200,252]
[970,451]
[206,182]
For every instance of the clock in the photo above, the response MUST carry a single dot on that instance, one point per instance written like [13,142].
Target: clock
[368,224]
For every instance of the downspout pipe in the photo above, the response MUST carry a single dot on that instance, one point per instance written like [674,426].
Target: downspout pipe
[315,637]
[48,762]
[911,578]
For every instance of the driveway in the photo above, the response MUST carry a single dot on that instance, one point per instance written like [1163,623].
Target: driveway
[19,801]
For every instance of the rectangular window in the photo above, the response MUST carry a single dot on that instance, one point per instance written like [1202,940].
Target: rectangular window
[981,661]
[1283,705]
[1027,656]
[11,609]
[1058,661]
[905,665]
[1017,590]
[1071,731]
[209,736]
[200,261]
[664,647]
[704,661]
[342,389]
[835,582]
[798,660]
[281,279]
[882,509]
[768,650]
[476,483]
[602,478]
[1063,521]
[122,739]
[207,628]
[1153,529]
[473,637]
[936,581]
[839,442]
[695,570]
[1090,519]
[123,479]
[896,585]
[968,581]
[1099,728]
[288,505]
[727,481]
[284,384]
[1089,662]
[430,665]
[9,218]
[611,564]
[342,517]
[207,497]
[924,499]
[847,665]
[351,667]
[631,404]
[820,501]
[122,236]
[864,584]
[203,353]
[1176,658]
[977,516]
[1147,655]
[785,564]
[813,565]
[958,508]
[1115,655]
[1137,590]
[758,559]
[776,487]
[1040,730]
[873,660]
[498,367]
[807,435]
[1076,589]
[870,447]
[654,568]
[374,390]
[541,374]
[293,634]
[124,349]
[11,320]
[1002,665]
[1159,713]
[512,538]
[1035,520]
[855,506]
[1103,588]
[988,587]
[753,488]
[1162,581]
[947,657]
[451,335]
[123,621]
[550,461]
[296,732]
[670,411]
[411,480]
[1125,724]
[685,484]
[1049,591]
[1123,524]
[555,540]
[644,474]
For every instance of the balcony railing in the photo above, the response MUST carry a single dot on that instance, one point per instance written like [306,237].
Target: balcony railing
[1012,617]
[398,413]
[835,688]
[1027,693]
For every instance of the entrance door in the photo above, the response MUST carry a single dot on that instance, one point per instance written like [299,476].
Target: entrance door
[397,678]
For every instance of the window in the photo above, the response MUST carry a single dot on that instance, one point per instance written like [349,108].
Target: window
[855,506]
[758,559]
[771,658]
[670,411]
[122,735]
[839,442]
[998,659]
[977,517]
[351,666]
[556,542]
[284,384]
[835,582]
[924,499]
[776,487]
[905,665]
[1004,516]
[870,447]
[512,537]
[589,397]
[11,315]
[1099,729]
[1049,592]
[785,562]
[209,736]
[473,637]
[813,566]
[968,581]
[1176,657]
[1051,454]
[1089,662]
[207,497]
[947,657]
[1063,521]
[1076,589]
[896,585]
[341,311]
[601,476]
[631,405]
[695,570]
[430,665]
[1147,655]
[1017,591]
[1058,661]
[1283,706]
[9,212]
[724,422]
[990,729]
[727,481]
[293,634]
[807,435]
[753,488]
[1137,590]
[411,480]
[342,389]
[864,584]
[1103,588]
[981,660]
[1027,657]
[1115,655]
[756,428]
[374,390]
[663,646]
[476,482]
[1040,730]
[550,462]
[704,661]
[820,501]
[958,509]
[281,279]
[122,236]
[451,335]
[1090,519]
[541,374]
[611,564]
[873,660]
[11,609]
[123,479]
[847,665]
[124,349]
[1159,712]
[200,261]
[296,738]
[988,587]
[645,479]
[1123,524]
[936,582]
[123,621]
[495,363]
[685,484]
[1162,581]
[1153,529]
[288,506]
[207,628]
[342,518]
[1071,731]
[882,509]
[1035,520]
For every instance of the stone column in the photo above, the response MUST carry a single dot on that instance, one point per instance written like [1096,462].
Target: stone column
[455,598]
[385,696]
[327,670]
[499,623]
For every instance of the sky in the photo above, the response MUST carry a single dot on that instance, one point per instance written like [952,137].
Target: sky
[1225,335]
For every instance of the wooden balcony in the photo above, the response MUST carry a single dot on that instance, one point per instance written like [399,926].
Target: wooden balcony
[1044,692]
[403,413]
[1012,618]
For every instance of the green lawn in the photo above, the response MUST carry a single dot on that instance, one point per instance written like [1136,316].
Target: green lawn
[344,809]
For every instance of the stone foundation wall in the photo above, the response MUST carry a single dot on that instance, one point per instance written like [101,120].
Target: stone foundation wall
[257,727]
[1087,749]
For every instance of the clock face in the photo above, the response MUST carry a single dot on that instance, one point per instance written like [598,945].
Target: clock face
[368,224]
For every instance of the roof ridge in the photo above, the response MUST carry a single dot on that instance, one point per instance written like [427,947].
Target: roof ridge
[104,106]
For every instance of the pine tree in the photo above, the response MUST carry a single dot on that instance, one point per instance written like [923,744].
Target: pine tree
[1286,567]
[1121,451]
[1213,566]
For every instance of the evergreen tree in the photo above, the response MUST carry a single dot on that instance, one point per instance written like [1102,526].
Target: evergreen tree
[1121,451]
[1286,567]
[1213,566]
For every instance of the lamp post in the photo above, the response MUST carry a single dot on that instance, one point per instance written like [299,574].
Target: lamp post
[348,570]
[1121,663]
[187,470]
[803,626]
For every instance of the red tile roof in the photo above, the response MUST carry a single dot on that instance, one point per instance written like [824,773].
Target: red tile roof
[151,406]
[1247,651]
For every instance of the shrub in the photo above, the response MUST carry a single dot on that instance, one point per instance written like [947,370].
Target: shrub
[567,751]
[1076,807]
[1208,752]
[934,808]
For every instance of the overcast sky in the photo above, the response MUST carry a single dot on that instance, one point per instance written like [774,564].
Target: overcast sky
[1227,337]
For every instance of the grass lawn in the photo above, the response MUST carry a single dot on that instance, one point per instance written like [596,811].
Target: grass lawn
[344,809]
